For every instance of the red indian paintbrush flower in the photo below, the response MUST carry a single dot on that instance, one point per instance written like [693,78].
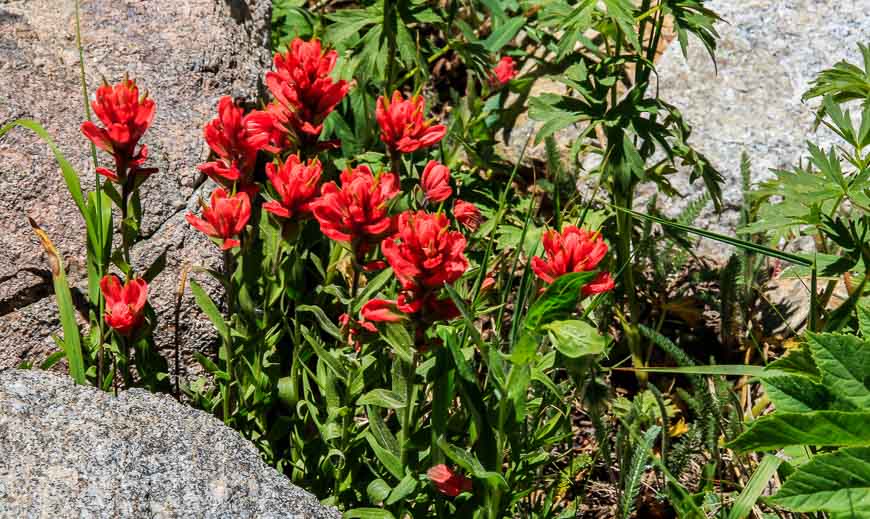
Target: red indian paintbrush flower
[403,127]
[424,255]
[447,481]
[356,213]
[225,218]
[467,214]
[503,72]
[226,135]
[436,182]
[126,116]
[303,89]
[125,305]
[296,184]
[573,250]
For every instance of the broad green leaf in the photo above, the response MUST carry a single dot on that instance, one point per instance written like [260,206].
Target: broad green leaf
[382,398]
[820,428]
[210,309]
[558,301]
[797,394]
[574,338]
[844,362]
[378,490]
[753,489]
[837,482]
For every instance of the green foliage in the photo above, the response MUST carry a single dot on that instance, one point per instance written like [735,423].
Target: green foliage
[821,406]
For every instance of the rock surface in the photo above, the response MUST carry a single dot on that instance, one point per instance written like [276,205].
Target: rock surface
[769,52]
[73,451]
[187,55]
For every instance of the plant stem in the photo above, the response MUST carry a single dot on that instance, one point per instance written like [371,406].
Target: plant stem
[228,341]
[410,392]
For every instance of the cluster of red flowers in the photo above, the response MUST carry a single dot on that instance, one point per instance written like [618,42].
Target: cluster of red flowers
[423,250]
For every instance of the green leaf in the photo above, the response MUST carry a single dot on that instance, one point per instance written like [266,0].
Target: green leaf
[574,338]
[368,513]
[324,322]
[378,490]
[326,356]
[559,300]
[71,335]
[400,340]
[210,309]
[737,370]
[844,362]
[382,398]
[837,482]
[796,394]
[389,460]
[752,491]
[405,488]
[504,34]
[371,289]
[820,428]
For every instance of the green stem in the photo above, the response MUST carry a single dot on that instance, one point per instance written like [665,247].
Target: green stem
[390,8]
[228,341]
[410,393]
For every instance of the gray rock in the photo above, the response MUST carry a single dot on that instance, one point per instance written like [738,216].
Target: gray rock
[187,55]
[769,52]
[74,451]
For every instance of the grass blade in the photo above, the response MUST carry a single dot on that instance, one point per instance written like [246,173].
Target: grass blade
[71,336]
[753,489]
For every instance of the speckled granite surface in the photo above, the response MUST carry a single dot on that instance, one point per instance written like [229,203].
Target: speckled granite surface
[768,53]
[73,451]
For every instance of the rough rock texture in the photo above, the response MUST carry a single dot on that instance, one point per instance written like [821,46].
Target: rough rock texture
[186,54]
[768,53]
[73,451]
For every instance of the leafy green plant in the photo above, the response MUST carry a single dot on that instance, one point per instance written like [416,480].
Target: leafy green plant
[820,394]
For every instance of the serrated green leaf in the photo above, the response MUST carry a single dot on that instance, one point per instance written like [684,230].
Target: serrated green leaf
[837,482]
[820,428]
[844,363]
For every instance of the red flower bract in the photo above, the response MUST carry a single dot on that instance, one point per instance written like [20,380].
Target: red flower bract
[436,182]
[424,253]
[573,250]
[356,213]
[503,72]
[304,92]
[226,135]
[447,481]
[296,184]
[603,282]
[225,218]
[467,214]
[125,305]
[125,116]
[403,127]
